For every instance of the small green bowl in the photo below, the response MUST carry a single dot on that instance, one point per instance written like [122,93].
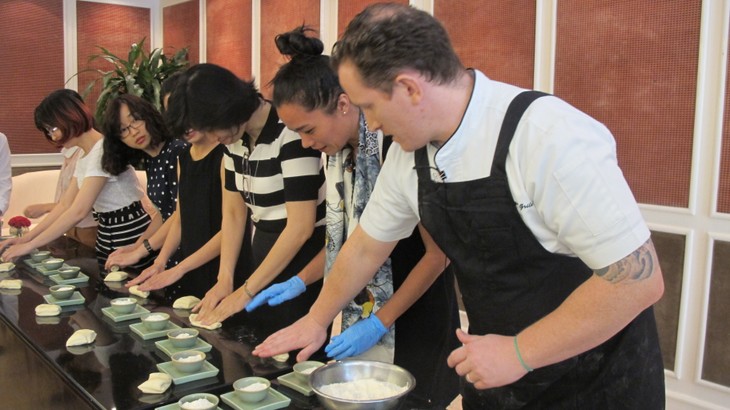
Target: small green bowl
[155,320]
[70,272]
[302,370]
[244,388]
[183,342]
[211,398]
[62,292]
[124,305]
[40,256]
[52,263]
[182,362]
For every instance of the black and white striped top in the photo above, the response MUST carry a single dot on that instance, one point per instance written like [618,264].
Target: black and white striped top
[278,170]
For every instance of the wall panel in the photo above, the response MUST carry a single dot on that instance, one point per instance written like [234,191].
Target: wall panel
[633,66]
[723,200]
[113,27]
[279,16]
[229,35]
[716,359]
[502,48]
[670,250]
[31,66]
[181,29]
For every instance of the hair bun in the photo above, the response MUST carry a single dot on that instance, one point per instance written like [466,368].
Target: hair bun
[296,44]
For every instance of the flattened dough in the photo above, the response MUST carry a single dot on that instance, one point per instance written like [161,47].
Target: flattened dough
[11,284]
[157,383]
[7,266]
[117,276]
[47,309]
[193,321]
[186,302]
[81,337]
[141,293]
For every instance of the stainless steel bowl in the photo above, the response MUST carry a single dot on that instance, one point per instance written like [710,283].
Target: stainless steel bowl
[352,370]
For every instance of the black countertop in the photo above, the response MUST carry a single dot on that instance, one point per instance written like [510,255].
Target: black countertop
[106,373]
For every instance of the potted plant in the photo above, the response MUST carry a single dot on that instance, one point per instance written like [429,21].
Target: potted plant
[140,74]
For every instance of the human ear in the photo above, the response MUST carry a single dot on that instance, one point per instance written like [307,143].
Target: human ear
[343,103]
[410,85]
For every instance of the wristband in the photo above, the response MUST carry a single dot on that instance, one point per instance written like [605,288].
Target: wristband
[147,246]
[519,356]
[245,289]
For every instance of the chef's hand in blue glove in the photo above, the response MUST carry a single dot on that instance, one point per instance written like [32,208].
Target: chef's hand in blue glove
[278,293]
[356,339]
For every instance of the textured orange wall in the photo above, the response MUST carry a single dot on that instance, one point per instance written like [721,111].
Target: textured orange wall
[31,63]
[484,38]
[633,65]
[113,27]
[279,16]
[229,35]
[181,29]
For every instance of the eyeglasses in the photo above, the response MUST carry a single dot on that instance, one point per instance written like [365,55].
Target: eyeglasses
[126,131]
[50,131]
[248,177]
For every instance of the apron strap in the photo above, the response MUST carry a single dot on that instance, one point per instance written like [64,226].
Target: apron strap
[423,168]
[512,117]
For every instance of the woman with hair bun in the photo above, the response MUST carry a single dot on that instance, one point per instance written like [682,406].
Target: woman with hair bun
[115,197]
[408,313]
[266,171]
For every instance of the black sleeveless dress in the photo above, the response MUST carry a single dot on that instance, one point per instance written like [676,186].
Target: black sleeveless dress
[200,218]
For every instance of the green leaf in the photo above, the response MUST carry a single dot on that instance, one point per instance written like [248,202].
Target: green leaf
[135,51]
[87,89]
[156,86]
[132,86]
[154,65]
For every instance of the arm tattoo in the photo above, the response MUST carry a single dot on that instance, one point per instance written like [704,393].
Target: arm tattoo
[637,266]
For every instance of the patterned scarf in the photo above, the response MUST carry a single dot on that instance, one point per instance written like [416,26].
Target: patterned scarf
[349,185]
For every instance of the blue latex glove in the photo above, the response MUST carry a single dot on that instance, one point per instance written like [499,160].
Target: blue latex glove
[278,293]
[356,339]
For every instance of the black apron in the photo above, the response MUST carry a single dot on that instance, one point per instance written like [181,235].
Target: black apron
[509,281]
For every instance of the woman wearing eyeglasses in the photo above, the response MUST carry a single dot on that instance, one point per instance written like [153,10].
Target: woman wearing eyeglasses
[266,171]
[136,134]
[114,197]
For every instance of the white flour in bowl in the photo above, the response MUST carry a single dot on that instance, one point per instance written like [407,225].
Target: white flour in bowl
[197,404]
[365,389]
[189,359]
[255,387]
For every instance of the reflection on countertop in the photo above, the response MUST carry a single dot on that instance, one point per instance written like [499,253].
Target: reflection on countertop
[106,373]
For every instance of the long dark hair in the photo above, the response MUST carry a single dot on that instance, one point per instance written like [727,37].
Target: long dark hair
[209,97]
[307,79]
[167,86]
[117,155]
[66,110]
